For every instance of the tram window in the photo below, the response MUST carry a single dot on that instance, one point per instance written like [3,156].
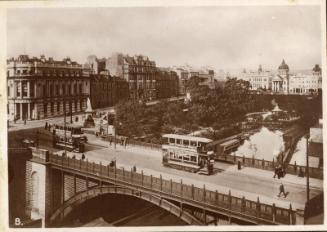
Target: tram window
[171,140]
[165,140]
[193,158]
[186,142]
[187,158]
[178,141]
[193,143]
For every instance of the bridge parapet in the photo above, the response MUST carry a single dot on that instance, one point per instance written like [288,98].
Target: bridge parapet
[210,201]
[40,155]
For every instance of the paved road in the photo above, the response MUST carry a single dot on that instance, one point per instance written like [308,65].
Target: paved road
[248,182]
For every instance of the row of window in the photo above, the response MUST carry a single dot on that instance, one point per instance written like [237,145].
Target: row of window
[57,108]
[50,72]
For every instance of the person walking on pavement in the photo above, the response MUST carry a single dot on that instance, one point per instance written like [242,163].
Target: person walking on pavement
[281,190]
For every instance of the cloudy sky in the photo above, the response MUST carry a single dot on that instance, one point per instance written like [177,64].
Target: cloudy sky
[224,37]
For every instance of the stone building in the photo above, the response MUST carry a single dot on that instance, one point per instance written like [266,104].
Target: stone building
[166,83]
[39,88]
[139,71]
[280,82]
[306,84]
[260,79]
[107,90]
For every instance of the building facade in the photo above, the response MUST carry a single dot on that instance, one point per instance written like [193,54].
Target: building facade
[39,88]
[167,83]
[260,79]
[107,90]
[284,82]
[139,71]
[306,84]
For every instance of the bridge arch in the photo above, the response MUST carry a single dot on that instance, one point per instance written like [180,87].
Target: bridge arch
[82,197]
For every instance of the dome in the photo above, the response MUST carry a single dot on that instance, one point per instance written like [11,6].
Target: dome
[283,65]
[316,68]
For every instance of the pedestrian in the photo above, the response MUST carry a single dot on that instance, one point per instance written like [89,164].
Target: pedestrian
[46,125]
[281,190]
[83,156]
[110,140]
[276,171]
[24,121]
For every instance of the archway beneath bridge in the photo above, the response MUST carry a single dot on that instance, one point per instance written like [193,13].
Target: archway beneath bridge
[72,212]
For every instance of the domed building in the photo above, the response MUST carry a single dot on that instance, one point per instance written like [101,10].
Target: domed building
[280,83]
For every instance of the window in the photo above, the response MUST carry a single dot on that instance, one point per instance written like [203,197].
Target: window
[193,143]
[8,91]
[171,140]
[24,83]
[193,158]
[58,107]
[186,142]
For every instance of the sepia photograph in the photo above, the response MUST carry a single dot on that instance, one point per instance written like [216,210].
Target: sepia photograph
[144,115]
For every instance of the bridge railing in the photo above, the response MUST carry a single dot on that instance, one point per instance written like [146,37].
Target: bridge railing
[178,190]
[293,169]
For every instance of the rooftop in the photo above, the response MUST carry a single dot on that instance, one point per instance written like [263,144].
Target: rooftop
[187,137]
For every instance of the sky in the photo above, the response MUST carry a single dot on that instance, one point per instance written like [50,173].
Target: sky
[223,37]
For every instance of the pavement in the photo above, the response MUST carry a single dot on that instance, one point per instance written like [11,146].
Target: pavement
[19,125]
[248,182]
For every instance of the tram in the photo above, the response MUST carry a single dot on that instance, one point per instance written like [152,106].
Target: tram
[188,153]
[75,138]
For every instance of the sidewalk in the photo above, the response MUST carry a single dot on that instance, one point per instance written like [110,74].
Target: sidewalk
[288,178]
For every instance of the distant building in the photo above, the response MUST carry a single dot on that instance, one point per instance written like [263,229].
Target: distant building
[139,71]
[284,82]
[96,65]
[280,82]
[40,88]
[167,83]
[183,77]
[258,79]
[306,84]
[106,90]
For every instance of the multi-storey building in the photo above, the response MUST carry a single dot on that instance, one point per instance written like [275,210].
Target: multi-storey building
[96,65]
[107,90]
[166,83]
[280,82]
[284,82]
[139,71]
[306,84]
[41,88]
[260,79]
[183,77]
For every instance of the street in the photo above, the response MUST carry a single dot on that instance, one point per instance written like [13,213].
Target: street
[248,182]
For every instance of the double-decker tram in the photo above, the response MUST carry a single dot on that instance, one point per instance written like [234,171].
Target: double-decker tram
[187,153]
[75,138]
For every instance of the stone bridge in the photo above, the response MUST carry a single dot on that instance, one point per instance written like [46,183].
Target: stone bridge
[57,185]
